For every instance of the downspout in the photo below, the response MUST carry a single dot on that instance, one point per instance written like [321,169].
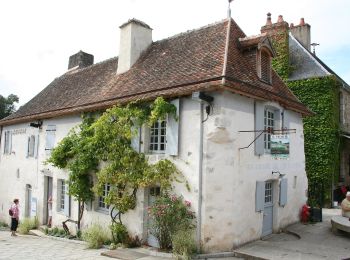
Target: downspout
[200,180]
[0,139]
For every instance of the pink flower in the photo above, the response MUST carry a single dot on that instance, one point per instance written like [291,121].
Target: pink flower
[173,198]
[188,203]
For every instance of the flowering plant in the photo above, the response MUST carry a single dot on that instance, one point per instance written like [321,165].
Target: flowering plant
[169,214]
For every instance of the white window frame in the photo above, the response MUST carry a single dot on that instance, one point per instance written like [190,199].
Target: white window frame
[269,122]
[31,146]
[7,142]
[157,137]
[63,198]
[101,199]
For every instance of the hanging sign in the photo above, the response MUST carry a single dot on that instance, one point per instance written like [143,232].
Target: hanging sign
[280,146]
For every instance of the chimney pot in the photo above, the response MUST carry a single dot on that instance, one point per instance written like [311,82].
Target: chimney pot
[302,21]
[280,19]
[268,19]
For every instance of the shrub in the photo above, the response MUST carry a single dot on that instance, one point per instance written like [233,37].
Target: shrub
[95,236]
[132,242]
[28,224]
[119,232]
[168,215]
[184,244]
[3,224]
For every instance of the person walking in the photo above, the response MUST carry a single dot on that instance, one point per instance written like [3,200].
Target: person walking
[345,206]
[14,217]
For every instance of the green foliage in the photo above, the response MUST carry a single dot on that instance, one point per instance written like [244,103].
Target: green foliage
[3,224]
[119,233]
[321,132]
[7,105]
[184,244]
[95,236]
[280,62]
[28,224]
[168,215]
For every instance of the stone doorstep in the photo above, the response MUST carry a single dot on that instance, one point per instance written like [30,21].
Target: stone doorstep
[246,256]
[215,255]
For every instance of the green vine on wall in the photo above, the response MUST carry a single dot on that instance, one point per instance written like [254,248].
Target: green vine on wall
[103,146]
[280,62]
[321,132]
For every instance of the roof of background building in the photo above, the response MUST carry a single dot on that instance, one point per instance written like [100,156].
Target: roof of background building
[176,66]
[307,65]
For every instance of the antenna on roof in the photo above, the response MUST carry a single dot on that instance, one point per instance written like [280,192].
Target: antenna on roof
[229,9]
[313,47]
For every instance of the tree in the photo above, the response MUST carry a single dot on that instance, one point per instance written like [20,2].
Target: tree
[7,105]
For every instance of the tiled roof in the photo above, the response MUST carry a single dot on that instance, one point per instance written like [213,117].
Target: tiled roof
[174,66]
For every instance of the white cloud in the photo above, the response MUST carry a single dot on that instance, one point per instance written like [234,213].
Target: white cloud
[38,36]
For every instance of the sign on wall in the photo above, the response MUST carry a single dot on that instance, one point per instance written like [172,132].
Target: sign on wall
[33,205]
[280,146]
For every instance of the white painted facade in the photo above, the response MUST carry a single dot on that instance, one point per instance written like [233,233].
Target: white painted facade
[229,175]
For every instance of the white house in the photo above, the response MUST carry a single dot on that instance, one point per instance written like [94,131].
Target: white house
[226,94]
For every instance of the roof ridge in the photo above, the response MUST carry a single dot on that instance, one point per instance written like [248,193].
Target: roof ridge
[192,30]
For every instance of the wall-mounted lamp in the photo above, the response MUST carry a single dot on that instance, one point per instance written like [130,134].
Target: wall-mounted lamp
[201,96]
[37,124]
[280,175]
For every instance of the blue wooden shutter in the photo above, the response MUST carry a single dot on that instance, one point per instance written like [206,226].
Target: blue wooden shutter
[50,138]
[36,146]
[283,192]
[259,125]
[135,139]
[172,130]
[28,144]
[259,196]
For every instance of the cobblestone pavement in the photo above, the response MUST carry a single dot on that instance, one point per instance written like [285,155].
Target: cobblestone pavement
[37,248]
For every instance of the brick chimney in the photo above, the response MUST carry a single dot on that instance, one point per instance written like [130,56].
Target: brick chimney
[135,37]
[80,60]
[302,33]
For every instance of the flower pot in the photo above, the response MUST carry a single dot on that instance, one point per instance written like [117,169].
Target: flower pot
[315,214]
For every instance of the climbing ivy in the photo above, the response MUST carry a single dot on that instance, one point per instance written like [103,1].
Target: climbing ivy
[280,62]
[321,133]
[103,146]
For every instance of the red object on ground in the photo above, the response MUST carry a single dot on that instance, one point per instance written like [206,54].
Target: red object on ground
[305,214]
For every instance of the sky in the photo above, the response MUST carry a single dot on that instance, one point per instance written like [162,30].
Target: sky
[38,36]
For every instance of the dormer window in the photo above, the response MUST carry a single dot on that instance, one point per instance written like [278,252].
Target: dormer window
[264,65]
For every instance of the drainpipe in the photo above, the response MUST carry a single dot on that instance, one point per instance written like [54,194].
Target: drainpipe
[200,180]
[0,138]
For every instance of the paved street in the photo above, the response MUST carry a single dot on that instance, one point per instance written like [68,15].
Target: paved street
[316,242]
[37,248]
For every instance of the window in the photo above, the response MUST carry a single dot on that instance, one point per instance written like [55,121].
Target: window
[63,199]
[31,146]
[154,191]
[268,192]
[264,66]
[50,138]
[158,137]
[269,122]
[7,142]
[101,200]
